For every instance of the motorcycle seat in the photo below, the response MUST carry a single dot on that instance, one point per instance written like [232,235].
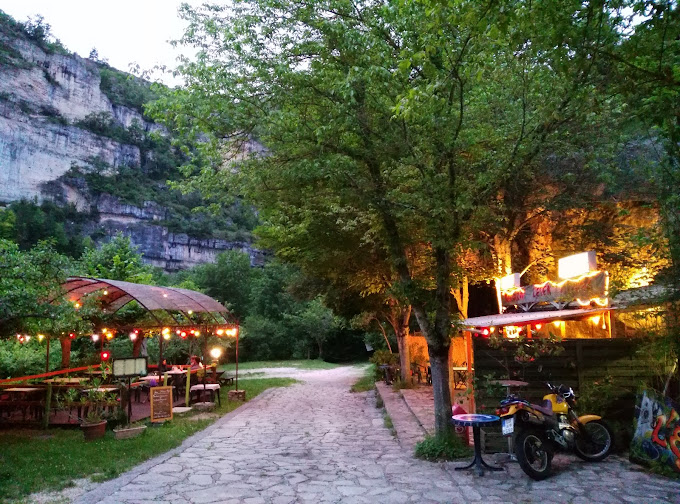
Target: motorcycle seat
[545,408]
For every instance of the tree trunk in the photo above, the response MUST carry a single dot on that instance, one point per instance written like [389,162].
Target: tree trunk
[65,352]
[439,365]
[320,344]
[503,255]
[401,331]
[137,345]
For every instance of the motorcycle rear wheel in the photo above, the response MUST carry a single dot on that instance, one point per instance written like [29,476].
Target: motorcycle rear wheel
[598,446]
[533,454]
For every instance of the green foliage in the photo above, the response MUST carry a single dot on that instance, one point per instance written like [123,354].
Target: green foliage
[17,359]
[442,447]
[381,357]
[27,223]
[103,124]
[125,89]
[115,260]
[35,30]
[228,280]
[29,288]
[366,382]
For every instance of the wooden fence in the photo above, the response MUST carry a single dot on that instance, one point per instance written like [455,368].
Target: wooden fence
[607,373]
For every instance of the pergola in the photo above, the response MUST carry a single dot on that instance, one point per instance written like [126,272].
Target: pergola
[166,308]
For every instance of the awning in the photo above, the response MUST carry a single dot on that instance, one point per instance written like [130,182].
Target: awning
[115,294]
[525,318]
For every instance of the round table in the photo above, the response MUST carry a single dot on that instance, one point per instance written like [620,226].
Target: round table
[476,421]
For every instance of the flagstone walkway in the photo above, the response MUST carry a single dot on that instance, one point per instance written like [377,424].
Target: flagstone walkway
[317,442]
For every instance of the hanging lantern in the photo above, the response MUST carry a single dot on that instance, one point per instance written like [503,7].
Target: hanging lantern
[72,335]
[133,336]
[95,337]
[220,332]
[166,336]
[41,337]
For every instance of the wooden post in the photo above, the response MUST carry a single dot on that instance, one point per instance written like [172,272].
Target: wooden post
[48,405]
[47,356]
[469,356]
[579,363]
[187,394]
[160,354]
[237,333]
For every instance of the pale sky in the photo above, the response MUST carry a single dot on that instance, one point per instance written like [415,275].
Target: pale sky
[124,31]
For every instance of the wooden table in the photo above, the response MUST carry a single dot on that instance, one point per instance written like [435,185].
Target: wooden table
[66,381]
[101,389]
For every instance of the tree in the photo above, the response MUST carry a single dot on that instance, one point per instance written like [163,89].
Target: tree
[412,118]
[228,280]
[31,297]
[315,323]
[117,259]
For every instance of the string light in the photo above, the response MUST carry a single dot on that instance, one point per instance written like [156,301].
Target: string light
[95,337]
[41,337]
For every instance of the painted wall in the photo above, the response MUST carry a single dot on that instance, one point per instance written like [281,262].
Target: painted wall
[657,432]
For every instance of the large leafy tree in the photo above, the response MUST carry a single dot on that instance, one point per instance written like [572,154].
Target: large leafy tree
[423,121]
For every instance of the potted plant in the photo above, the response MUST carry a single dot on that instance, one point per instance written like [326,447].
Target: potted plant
[93,424]
[89,408]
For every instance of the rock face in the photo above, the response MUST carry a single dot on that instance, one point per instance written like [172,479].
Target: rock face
[43,99]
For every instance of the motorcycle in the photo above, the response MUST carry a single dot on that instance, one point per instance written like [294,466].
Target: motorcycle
[539,430]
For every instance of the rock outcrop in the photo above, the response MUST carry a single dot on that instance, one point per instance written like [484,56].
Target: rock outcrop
[45,100]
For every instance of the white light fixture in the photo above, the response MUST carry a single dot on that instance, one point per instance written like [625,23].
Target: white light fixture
[577,265]
[510,281]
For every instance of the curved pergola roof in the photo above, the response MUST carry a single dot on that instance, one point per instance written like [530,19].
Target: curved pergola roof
[151,297]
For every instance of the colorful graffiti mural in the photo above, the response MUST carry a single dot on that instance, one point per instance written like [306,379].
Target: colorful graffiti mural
[657,432]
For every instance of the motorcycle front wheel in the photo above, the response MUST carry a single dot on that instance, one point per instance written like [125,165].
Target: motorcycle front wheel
[595,443]
[533,454]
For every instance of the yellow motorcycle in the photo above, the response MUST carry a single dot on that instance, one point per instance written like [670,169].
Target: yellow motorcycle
[539,430]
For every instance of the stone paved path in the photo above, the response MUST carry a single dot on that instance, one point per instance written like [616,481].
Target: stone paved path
[316,442]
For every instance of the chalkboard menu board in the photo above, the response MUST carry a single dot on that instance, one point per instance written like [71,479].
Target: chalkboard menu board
[161,404]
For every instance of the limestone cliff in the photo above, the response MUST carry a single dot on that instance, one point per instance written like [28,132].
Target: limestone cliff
[56,113]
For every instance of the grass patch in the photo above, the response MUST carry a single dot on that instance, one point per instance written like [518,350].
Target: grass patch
[445,447]
[366,382]
[399,385]
[387,420]
[299,364]
[30,462]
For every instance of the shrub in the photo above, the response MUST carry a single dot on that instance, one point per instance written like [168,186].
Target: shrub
[442,447]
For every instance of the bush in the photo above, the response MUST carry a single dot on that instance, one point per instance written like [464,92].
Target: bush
[18,359]
[443,447]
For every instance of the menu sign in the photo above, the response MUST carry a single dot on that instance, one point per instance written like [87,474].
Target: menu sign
[161,404]
[135,366]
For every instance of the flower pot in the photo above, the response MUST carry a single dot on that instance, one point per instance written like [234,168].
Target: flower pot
[128,432]
[93,431]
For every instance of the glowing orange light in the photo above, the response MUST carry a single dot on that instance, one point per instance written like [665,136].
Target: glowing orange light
[538,327]
[220,332]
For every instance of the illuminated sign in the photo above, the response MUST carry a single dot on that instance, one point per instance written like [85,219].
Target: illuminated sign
[577,265]
[510,281]
[590,288]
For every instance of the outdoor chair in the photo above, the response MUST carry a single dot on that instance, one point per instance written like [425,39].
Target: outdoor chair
[206,384]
